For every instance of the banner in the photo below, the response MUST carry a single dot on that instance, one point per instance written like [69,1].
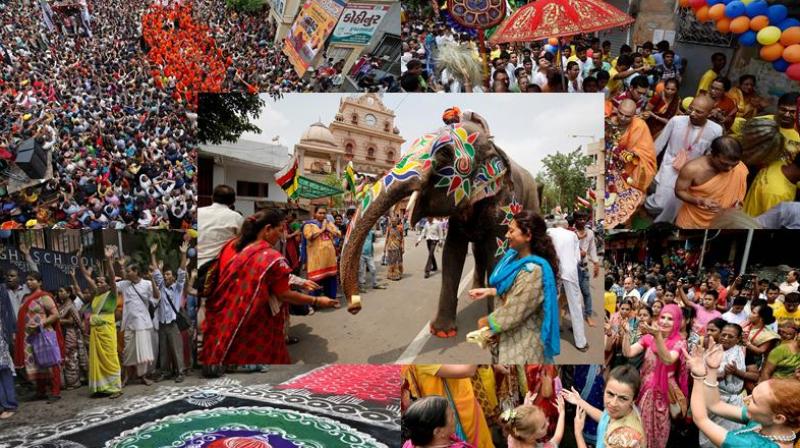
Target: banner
[55,267]
[311,189]
[358,23]
[311,28]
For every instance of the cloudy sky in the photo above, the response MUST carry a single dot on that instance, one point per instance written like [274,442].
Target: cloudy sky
[526,126]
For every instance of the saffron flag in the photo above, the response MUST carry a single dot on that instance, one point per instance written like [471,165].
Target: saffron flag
[287,178]
[350,176]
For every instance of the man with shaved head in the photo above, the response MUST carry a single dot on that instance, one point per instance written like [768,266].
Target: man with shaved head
[684,138]
[711,183]
[637,139]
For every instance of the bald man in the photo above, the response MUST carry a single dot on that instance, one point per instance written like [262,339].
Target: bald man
[637,139]
[685,138]
[710,184]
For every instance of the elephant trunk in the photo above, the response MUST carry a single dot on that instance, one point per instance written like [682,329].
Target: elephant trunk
[365,220]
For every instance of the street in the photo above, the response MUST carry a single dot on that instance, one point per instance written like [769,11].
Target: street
[393,325]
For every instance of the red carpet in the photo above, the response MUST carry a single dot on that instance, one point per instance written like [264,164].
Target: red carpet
[379,383]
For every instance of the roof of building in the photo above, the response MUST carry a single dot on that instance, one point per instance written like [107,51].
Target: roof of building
[263,154]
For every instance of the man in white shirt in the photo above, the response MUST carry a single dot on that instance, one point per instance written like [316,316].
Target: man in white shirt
[588,247]
[574,78]
[569,255]
[790,285]
[217,224]
[686,137]
[170,342]
[630,291]
[432,234]
[650,295]
[17,289]
[138,294]
[737,314]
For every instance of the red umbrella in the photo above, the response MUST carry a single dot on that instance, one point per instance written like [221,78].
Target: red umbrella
[559,18]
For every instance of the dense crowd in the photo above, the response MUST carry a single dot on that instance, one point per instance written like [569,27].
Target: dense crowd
[723,157]
[661,310]
[127,323]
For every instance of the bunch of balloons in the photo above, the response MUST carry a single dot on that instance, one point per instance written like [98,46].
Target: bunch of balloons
[755,21]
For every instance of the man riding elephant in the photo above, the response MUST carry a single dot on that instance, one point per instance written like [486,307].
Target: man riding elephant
[456,172]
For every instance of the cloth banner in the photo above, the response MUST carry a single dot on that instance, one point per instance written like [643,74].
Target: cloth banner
[311,28]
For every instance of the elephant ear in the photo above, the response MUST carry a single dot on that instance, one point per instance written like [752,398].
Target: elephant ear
[478,120]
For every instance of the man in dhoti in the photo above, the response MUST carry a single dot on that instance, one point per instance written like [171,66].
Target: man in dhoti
[685,138]
[569,255]
[711,183]
[138,294]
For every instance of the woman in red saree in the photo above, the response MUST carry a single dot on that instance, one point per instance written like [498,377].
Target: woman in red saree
[245,313]
[662,106]
[38,311]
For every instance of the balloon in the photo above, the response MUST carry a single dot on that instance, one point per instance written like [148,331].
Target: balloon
[790,36]
[684,3]
[553,41]
[758,23]
[780,65]
[777,13]
[191,252]
[793,72]
[792,53]
[772,52]
[687,102]
[757,8]
[716,12]
[741,25]
[747,39]
[747,2]
[549,48]
[702,14]
[769,35]
[788,23]
[715,2]
[724,25]
[735,9]
[695,4]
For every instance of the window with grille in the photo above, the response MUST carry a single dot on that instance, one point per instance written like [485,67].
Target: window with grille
[693,32]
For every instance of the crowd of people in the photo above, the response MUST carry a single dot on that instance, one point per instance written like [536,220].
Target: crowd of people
[664,320]
[127,323]
[723,157]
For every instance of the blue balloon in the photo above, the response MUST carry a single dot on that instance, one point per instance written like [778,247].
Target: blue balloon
[748,38]
[777,13]
[715,2]
[780,65]
[192,252]
[735,9]
[788,23]
[549,48]
[757,8]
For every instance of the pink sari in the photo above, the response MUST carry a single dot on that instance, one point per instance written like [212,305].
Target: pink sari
[658,378]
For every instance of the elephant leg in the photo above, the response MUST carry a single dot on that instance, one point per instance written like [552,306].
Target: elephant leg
[453,257]
[483,251]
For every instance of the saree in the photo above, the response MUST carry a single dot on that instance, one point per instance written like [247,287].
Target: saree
[626,432]
[726,188]
[469,415]
[32,311]
[784,360]
[242,326]
[320,253]
[104,368]
[664,110]
[75,360]
[394,252]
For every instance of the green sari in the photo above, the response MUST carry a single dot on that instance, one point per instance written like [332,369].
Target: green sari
[784,360]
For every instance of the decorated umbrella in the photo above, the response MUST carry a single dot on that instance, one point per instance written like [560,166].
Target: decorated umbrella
[543,19]
[479,15]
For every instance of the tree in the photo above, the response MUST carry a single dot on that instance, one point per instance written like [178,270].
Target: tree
[247,5]
[567,174]
[550,193]
[334,180]
[225,117]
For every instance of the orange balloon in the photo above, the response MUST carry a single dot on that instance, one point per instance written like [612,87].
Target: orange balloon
[684,3]
[659,87]
[792,54]
[772,52]
[740,24]
[758,23]
[553,41]
[702,14]
[717,11]
[790,36]
[723,24]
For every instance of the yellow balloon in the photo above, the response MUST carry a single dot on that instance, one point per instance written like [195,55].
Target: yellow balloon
[192,233]
[769,35]
[747,2]
[687,102]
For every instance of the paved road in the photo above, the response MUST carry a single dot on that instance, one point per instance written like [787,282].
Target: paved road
[393,324]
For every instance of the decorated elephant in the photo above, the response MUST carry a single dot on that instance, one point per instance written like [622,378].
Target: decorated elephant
[456,172]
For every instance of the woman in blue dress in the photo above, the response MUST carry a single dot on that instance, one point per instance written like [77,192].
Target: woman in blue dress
[769,414]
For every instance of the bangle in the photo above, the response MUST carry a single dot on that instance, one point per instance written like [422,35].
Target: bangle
[710,384]
[702,377]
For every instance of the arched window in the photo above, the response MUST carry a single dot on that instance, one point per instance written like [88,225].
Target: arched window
[354,118]
[371,153]
[390,156]
[348,149]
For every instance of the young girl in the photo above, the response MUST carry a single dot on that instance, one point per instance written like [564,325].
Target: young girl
[527,424]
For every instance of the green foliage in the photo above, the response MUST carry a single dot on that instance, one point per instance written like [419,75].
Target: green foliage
[169,244]
[246,5]
[566,176]
[335,181]
[225,117]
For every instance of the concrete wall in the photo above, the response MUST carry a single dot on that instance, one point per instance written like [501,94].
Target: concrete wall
[652,15]
[234,172]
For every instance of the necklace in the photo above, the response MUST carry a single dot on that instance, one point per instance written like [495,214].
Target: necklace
[781,439]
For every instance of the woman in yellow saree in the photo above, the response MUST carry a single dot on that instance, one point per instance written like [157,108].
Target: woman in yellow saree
[454,383]
[104,370]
